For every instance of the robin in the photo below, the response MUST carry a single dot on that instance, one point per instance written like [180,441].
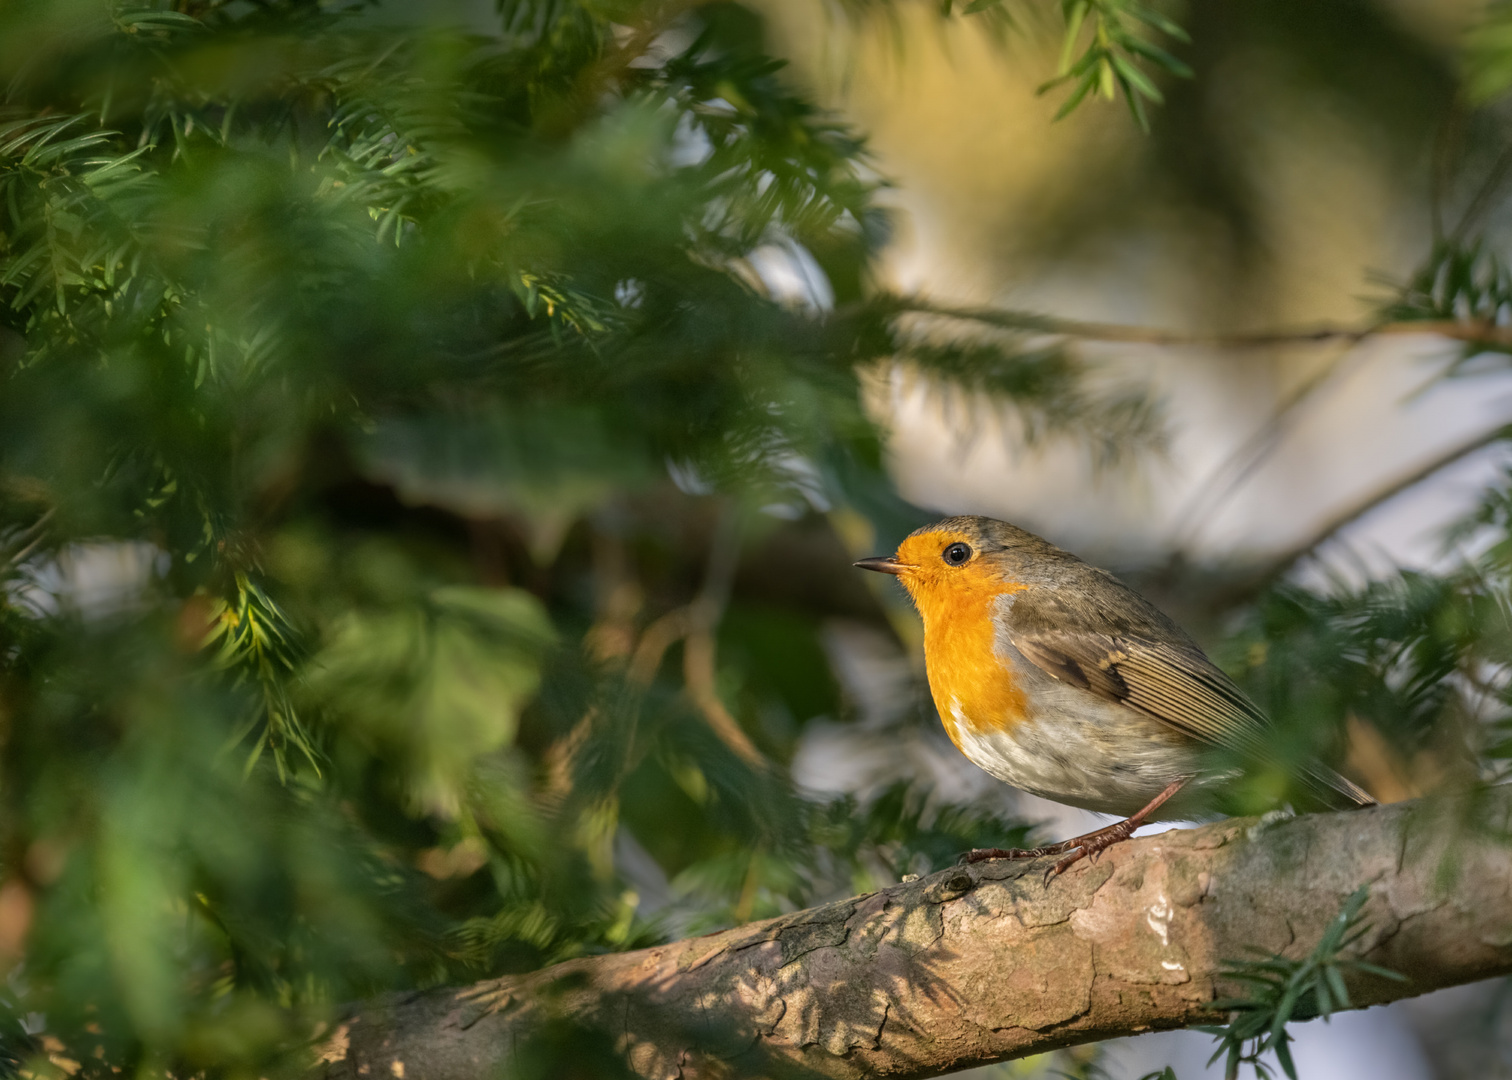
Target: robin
[1057,678]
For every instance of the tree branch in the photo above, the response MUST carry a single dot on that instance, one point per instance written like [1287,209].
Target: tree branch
[982,963]
[1475,331]
[1383,494]
[1245,583]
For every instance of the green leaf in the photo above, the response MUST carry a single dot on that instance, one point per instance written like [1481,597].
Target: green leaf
[1083,87]
[1168,62]
[1136,106]
[1075,13]
[1377,970]
[1282,1051]
[1139,80]
[1155,19]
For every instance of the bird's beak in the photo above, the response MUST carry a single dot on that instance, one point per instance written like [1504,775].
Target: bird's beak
[883,565]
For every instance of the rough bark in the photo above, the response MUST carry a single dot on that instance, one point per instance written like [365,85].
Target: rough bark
[978,964]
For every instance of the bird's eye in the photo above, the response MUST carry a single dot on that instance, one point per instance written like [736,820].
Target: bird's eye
[956,554]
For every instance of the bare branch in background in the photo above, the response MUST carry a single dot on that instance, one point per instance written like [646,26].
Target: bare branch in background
[1383,494]
[1226,480]
[695,625]
[1473,331]
[29,539]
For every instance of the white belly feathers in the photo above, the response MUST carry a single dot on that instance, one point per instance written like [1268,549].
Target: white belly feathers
[1077,748]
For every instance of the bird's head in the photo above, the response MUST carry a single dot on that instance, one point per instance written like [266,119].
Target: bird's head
[961,559]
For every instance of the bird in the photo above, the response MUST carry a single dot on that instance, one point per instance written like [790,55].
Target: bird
[1054,676]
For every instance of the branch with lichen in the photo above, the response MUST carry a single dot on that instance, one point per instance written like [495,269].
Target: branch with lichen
[983,963]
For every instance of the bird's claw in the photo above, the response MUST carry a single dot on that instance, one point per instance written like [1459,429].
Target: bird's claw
[1065,864]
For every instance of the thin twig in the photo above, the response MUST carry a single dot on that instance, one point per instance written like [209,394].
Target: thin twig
[39,528]
[1478,331]
[660,636]
[1445,144]
[561,757]
[698,671]
[698,651]
[1242,463]
[1469,330]
[620,597]
[1485,197]
[694,625]
[1381,495]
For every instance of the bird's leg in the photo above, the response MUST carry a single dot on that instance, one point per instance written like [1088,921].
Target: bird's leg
[1094,844]
[1089,844]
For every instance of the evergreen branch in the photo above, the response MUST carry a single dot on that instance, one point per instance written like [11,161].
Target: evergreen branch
[1283,990]
[254,640]
[1114,55]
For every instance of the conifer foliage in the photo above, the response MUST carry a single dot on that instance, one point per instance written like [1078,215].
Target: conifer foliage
[391,399]
[347,353]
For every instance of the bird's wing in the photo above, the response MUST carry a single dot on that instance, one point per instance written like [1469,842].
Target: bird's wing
[1173,682]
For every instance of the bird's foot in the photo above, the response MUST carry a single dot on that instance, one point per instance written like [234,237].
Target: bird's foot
[1092,845]
[1087,846]
[976,855]
[1077,848]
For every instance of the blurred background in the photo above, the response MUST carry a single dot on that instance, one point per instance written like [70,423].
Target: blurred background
[1292,184]
[435,437]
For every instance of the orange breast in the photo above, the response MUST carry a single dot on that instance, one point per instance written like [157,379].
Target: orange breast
[970,684]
